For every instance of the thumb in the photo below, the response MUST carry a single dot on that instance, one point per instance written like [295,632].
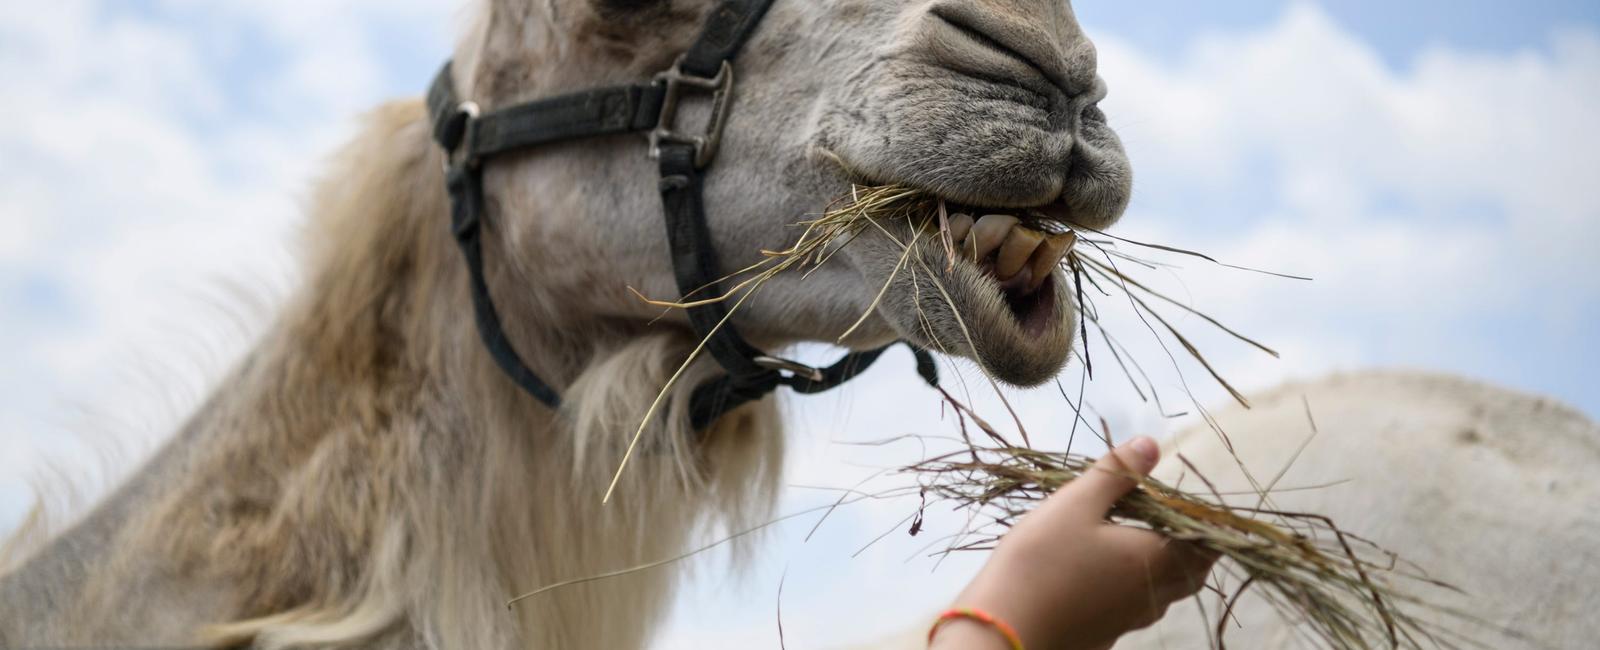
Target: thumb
[1114,475]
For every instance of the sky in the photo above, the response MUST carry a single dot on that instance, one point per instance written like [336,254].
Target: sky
[1429,163]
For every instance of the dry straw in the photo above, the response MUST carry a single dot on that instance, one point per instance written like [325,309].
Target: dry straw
[1339,589]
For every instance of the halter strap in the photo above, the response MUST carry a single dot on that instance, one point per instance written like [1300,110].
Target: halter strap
[470,138]
[601,111]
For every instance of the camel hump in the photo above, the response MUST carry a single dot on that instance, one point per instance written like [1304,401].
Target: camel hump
[1398,414]
[1485,488]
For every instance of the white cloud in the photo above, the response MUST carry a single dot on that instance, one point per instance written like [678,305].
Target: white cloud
[1421,200]
[138,171]
[1322,105]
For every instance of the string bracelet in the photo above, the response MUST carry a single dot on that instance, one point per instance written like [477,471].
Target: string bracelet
[979,616]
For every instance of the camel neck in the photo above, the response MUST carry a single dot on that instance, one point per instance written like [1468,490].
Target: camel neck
[365,471]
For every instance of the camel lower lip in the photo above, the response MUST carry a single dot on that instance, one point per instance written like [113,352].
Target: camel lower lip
[1035,310]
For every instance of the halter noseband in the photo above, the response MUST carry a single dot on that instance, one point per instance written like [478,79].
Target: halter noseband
[470,138]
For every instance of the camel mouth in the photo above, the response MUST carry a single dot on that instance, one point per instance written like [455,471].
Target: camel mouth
[1031,303]
[1032,308]
[1017,251]
[1005,292]
[986,285]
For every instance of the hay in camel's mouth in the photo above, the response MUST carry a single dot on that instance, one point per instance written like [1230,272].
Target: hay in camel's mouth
[1017,251]
[980,283]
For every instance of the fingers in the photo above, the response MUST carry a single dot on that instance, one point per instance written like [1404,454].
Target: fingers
[1113,475]
[1184,568]
[1174,570]
[1195,560]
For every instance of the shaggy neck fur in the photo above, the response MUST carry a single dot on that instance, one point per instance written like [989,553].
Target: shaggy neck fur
[366,476]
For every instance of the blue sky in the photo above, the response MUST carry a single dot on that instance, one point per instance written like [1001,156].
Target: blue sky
[1398,30]
[1430,163]
[1544,350]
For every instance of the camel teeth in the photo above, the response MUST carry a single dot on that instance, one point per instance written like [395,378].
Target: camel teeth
[1049,256]
[960,225]
[1015,252]
[989,233]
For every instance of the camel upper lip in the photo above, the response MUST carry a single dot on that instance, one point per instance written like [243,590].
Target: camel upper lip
[1054,211]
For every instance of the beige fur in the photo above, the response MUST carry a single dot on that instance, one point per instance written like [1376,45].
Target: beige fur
[366,477]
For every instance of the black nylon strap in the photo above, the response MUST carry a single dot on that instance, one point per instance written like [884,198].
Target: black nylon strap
[697,268]
[603,111]
[694,258]
[726,29]
[844,370]
[466,207]
[716,398]
[589,113]
[449,124]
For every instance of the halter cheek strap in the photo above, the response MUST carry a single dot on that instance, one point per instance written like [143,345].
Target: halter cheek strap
[471,138]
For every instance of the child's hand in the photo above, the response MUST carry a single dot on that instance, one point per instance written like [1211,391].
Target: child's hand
[1067,579]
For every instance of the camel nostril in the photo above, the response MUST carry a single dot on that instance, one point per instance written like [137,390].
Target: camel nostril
[1028,48]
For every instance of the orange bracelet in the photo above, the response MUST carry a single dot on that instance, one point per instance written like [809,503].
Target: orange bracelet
[980,616]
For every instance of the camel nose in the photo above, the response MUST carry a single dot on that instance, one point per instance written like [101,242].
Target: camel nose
[1034,43]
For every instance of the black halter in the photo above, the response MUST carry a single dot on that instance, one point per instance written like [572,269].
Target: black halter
[470,138]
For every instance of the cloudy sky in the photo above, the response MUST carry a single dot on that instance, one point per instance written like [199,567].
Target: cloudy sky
[1430,163]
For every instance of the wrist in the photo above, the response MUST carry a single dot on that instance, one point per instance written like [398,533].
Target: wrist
[964,634]
[1009,595]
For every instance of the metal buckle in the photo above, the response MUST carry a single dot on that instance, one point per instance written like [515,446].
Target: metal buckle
[467,113]
[799,369]
[676,80]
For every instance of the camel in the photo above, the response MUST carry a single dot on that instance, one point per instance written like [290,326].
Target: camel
[1484,488]
[367,477]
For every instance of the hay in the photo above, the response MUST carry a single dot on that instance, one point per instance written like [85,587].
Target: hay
[1343,590]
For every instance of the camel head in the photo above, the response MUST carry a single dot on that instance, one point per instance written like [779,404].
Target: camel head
[989,104]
